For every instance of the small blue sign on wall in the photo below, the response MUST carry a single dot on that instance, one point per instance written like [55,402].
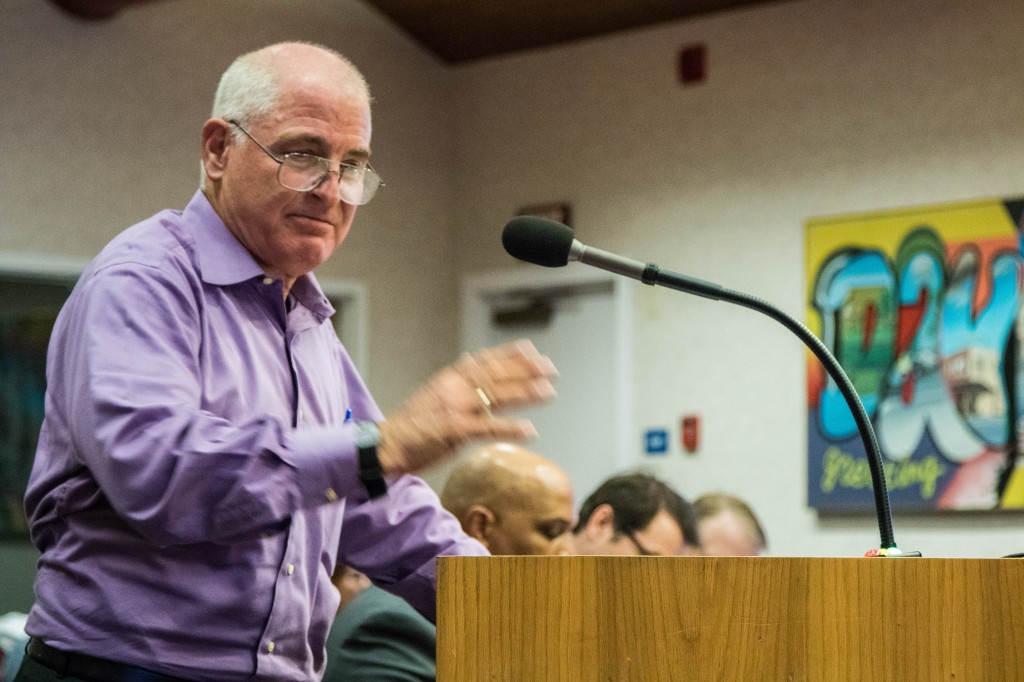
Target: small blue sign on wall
[656,441]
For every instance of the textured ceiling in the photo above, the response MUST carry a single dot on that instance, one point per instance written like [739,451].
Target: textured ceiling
[465,30]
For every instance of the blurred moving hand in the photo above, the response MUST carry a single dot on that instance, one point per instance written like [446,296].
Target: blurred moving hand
[463,402]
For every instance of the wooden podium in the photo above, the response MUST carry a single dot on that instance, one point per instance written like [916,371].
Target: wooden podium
[616,619]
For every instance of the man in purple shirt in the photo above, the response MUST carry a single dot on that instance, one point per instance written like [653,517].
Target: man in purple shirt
[209,451]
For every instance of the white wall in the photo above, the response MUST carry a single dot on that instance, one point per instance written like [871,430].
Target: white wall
[811,108]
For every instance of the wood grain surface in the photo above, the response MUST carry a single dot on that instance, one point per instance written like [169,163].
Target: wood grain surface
[526,619]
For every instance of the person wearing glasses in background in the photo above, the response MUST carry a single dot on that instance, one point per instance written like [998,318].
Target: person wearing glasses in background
[209,453]
[636,514]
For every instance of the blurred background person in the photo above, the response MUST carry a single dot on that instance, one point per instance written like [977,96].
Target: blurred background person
[12,643]
[728,526]
[377,636]
[349,583]
[636,514]
[512,500]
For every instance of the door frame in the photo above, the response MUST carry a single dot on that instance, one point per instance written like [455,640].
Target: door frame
[479,291]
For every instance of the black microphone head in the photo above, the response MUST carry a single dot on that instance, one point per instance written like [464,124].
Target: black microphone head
[537,240]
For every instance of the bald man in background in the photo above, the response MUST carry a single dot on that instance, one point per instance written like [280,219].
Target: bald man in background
[510,499]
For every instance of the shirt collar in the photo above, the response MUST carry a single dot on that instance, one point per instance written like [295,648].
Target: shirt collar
[223,260]
[307,291]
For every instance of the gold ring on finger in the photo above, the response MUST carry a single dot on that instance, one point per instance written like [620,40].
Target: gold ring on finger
[484,400]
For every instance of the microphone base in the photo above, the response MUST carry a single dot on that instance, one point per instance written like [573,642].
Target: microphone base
[889,554]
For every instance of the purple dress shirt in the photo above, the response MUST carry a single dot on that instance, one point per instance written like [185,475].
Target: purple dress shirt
[196,481]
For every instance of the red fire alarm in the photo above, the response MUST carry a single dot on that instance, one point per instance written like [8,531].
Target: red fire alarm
[692,64]
[689,430]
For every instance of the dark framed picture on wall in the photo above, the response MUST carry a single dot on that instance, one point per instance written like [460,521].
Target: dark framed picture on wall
[29,305]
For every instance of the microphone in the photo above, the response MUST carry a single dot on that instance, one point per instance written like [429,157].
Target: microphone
[546,242]
[538,240]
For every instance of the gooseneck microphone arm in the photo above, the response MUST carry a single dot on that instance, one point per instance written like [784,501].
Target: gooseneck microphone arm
[549,243]
[832,366]
[648,273]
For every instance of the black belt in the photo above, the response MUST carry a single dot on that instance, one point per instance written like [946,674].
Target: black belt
[89,667]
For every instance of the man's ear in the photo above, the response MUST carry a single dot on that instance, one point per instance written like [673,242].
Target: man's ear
[478,522]
[215,147]
[601,524]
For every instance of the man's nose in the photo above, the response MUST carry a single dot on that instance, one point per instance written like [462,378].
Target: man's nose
[563,546]
[329,188]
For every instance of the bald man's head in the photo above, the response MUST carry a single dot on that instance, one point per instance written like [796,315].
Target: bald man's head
[512,500]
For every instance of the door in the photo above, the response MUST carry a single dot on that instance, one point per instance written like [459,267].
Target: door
[580,318]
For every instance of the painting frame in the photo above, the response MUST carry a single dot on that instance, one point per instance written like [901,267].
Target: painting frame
[921,306]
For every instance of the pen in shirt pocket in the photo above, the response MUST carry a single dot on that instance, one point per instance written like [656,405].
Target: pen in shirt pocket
[348,415]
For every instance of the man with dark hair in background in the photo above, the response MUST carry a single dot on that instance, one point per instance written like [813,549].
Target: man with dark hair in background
[636,514]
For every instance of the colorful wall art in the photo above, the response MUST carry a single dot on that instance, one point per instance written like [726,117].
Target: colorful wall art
[922,308]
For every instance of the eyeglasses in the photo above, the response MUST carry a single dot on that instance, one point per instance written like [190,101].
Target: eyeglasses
[304,172]
[636,543]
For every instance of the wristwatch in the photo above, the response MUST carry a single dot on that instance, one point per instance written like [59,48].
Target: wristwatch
[370,472]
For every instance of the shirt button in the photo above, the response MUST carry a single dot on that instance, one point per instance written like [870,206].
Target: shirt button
[268,280]
[302,415]
[331,495]
[270,647]
[291,568]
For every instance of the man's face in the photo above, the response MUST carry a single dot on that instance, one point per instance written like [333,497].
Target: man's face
[661,537]
[728,534]
[290,233]
[539,524]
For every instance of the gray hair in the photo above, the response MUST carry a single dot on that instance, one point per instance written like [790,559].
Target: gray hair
[248,89]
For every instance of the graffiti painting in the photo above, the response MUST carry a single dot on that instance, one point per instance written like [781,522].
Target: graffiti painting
[922,309]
